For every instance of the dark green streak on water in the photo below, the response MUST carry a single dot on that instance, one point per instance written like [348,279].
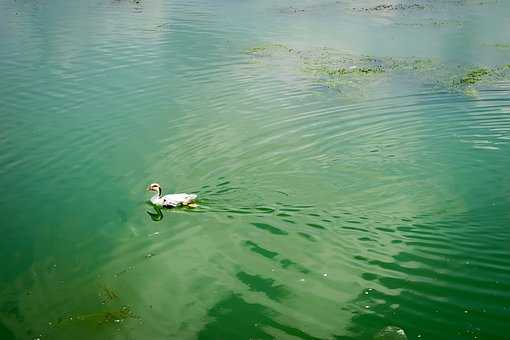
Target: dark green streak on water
[351,160]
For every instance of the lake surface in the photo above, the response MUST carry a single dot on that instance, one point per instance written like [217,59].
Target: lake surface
[351,159]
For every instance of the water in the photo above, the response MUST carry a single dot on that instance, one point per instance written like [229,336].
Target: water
[331,205]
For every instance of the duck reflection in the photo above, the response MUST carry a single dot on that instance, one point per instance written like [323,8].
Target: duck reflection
[157,214]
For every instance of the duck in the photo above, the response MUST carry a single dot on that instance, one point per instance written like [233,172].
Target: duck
[172,200]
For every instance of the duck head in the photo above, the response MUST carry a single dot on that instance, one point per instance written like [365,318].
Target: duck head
[155,187]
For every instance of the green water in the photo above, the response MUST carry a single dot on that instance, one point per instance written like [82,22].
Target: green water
[351,161]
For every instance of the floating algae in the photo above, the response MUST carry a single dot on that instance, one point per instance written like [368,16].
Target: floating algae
[419,6]
[391,7]
[474,76]
[268,49]
[353,70]
[353,75]
[107,295]
[433,23]
[391,333]
[343,72]
[105,317]
[99,318]
[468,79]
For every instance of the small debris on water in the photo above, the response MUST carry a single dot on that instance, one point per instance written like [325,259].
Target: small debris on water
[391,333]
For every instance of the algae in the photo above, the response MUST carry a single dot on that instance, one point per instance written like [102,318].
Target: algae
[474,76]
[257,49]
[98,318]
[353,75]
[391,7]
[105,317]
[344,71]
[267,49]
[353,70]
[107,295]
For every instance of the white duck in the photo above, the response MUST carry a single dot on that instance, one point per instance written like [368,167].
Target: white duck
[171,201]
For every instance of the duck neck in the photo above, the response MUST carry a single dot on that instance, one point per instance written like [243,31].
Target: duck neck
[159,192]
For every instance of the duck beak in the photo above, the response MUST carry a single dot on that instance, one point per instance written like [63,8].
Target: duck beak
[149,188]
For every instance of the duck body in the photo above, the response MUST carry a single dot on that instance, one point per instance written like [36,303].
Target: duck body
[172,200]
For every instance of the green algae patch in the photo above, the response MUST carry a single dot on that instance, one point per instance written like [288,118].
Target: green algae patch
[354,70]
[346,73]
[105,317]
[268,49]
[391,7]
[258,49]
[99,318]
[107,294]
[474,76]
[354,75]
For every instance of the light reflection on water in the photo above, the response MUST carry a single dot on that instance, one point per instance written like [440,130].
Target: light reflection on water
[328,209]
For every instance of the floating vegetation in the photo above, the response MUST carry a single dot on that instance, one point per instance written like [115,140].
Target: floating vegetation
[352,74]
[391,7]
[499,45]
[338,72]
[107,295]
[268,49]
[98,318]
[474,76]
[419,6]
[442,23]
[106,317]
[255,50]
[431,22]
[476,2]
[391,333]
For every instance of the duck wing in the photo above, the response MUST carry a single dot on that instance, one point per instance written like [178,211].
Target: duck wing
[175,200]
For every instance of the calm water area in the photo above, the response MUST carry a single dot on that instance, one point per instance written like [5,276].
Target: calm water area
[351,158]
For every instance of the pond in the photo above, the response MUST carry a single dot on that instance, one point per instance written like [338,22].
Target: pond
[350,160]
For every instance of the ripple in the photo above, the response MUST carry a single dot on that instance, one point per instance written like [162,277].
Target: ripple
[326,210]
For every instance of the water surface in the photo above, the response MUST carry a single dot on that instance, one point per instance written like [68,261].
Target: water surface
[333,202]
